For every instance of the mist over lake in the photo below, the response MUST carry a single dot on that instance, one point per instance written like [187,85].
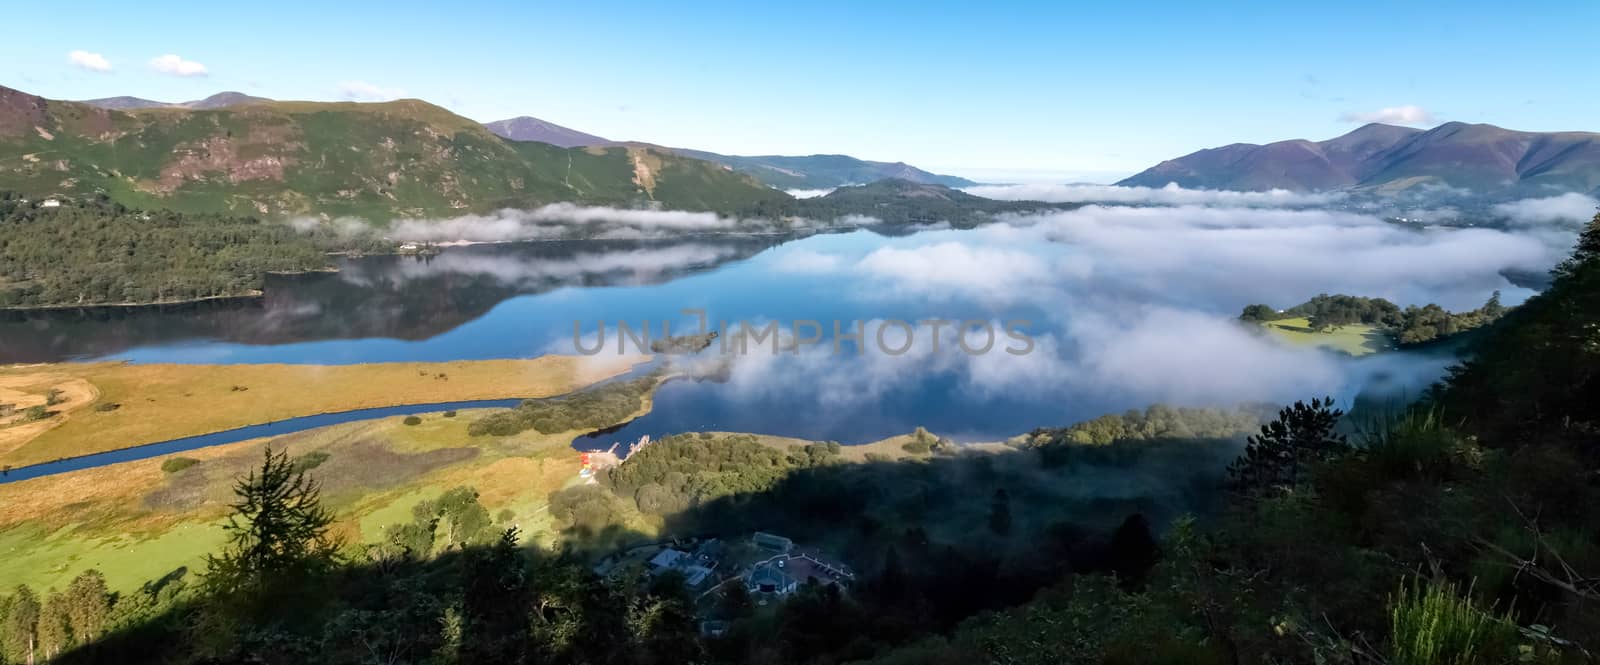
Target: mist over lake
[1122,307]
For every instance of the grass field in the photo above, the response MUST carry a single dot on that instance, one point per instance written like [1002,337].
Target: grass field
[162,402]
[135,522]
[1355,340]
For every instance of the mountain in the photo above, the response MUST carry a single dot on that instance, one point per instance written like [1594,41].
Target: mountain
[219,100]
[377,161]
[526,128]
[824,171]
[1478,157]
[125,102]
[778,171]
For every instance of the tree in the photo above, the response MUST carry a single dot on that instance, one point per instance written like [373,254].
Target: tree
[496,604]
[278,532]
[1000,513]
[1302,435]
[88,606]
[20,630]
[55,635]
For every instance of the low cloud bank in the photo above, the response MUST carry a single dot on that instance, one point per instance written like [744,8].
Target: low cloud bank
[1172,194]
[558,221]
[808,193]
[1572,209]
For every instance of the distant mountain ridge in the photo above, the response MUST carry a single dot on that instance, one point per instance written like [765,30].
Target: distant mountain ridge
[217,101]
[1474,156]
[528,128]
[779,171]
[376,161]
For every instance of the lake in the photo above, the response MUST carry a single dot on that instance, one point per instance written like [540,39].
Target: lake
[1112,322]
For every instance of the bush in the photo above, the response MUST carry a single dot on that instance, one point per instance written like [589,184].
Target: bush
[1431,625]
[309,461]
[450,414]
[36,412]
[412,420]
[176,464]
[107,407]
[53,397]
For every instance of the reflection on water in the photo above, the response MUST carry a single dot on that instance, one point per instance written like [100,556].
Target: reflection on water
[395,297]
[1124,309]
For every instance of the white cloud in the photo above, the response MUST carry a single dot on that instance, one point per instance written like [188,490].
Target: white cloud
[1395,115]
[1172,194]
[808,193]
[361,91]
[176,66]
[1571,208]
[996,275]
[91,61]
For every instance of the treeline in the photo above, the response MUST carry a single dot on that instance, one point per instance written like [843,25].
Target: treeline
[1158,421]
[1412,325]
[590,409]
[93,252]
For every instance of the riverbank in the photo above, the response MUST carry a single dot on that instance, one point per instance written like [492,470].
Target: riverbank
[134,405]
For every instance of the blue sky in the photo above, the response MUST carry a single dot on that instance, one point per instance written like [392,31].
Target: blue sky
[1013,90]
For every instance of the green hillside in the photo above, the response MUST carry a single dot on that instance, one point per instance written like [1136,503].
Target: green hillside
[379,161]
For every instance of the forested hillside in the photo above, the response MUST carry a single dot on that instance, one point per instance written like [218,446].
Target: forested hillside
[376,161]
[97,252]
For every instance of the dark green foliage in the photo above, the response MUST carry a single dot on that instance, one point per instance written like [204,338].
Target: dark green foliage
[93,252]
[590,409]
[1157,422]
[176,464]
[495,603]
[449,414]
[412,420]
[1277,458]
[1413,325]
[19,625]
[278,532]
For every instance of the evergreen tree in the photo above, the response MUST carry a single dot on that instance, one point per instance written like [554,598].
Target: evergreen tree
[55,635]
[19,634]
[1279,455]
[88,606]
[277,535]
[496,604]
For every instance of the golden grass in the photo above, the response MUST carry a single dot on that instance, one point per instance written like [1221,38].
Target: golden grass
[162,402]
[64,523]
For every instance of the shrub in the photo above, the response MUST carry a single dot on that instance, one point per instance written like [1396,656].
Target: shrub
[176,464]
[450,414]
[412,420]
[107,407]
[36,412]
[54,397]
[1431,625]
[309,461]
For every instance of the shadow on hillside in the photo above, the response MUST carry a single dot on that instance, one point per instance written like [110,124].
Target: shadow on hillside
[928,537]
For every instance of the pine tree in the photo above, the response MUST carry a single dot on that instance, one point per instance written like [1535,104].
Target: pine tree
[88,606]
[55,635]
[278,532]
[1278,456]
[19,633]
